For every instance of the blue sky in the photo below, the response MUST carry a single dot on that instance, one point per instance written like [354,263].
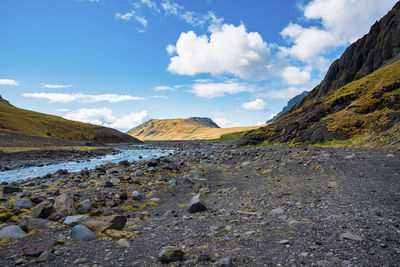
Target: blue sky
[120,63]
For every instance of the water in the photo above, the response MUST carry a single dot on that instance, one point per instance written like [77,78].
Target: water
[135,154]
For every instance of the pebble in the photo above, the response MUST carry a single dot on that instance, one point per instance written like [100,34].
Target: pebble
[80,261]
[196,204]
[351,236]
[284,242]
[170,254]
[225,262]
[123,243]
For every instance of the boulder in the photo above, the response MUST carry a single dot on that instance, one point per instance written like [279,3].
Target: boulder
[43,210]
[31,224]
[22,203]
[34,250]
[101,224]
[9,189]
[64,204]
[74,220]
[82,233]
[12,231]
[196,204]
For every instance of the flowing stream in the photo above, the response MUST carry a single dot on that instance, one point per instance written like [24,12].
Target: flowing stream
[134,154]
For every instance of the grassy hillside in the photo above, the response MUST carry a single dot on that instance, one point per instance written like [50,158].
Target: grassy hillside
[180,129]
[13,119]
[364,111]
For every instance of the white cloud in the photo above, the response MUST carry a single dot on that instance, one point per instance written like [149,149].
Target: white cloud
[284,93]
[171,49]
[159,97]
[9,82]
[127,16]
[229,49]
[141,20]
[104,117]
[212,90]
[163,88]
[257,104]
[62,110]
[295,76]
[225,123]
[67,98]
[55,86]
[129,121]
[149,3]
[342,22]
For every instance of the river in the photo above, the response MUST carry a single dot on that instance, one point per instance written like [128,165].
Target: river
[136,153]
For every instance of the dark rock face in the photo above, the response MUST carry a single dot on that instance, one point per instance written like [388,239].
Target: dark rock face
[289,105]
[2,100]
[302,122]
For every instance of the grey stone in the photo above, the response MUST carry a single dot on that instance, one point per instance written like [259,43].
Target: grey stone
[12,231]
[225,262]
[83,185]
[196,204]
[284,242]
[23,203]
[136,195]
[31,224]
[351,236]
[80,261]
[276,211]
[43,210]
[170,254]
[46,256]
[74,220]
[138,173]
[82,233]
[123,243]
[115,180]
[85,206]
[9,189]
[64,204]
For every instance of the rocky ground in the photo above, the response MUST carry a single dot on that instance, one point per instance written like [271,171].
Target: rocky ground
[260,206]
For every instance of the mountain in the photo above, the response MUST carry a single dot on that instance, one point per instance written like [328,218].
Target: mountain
[194,128]
[22,121]
[358,98]
[289,105]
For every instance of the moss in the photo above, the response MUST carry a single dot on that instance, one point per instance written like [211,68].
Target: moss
[5,214]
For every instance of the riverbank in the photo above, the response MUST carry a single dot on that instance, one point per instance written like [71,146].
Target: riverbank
[265,206]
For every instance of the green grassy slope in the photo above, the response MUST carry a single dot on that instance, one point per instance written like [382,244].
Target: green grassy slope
[14,119]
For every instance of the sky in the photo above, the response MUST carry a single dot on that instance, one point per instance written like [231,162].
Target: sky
[119,63]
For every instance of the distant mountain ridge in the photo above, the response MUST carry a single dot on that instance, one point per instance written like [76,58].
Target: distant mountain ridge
[13,119]
[289,105]
[313,117]
[193,128]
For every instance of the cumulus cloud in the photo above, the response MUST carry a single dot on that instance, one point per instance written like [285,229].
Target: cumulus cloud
[342,22]
[212,90]
[295,76]
[257,104]
[9,82]
[85,98]
[56,86]
[159,97]
[104,117]
[229,49]
[284,93]
[126,16]
[225,123]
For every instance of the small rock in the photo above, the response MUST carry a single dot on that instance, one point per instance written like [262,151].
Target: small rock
[136,195]
[80,261]
[225,262]
[82,233]
[170,254]
[74,220]
[276,211]
[351,236]
[12,231]
[83,185]
[196,204]
[138,173]
[34,250]
[123,243]
[46,256]
[85,206]
[332,185]
[116,222]
[284,242]
[115,180]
